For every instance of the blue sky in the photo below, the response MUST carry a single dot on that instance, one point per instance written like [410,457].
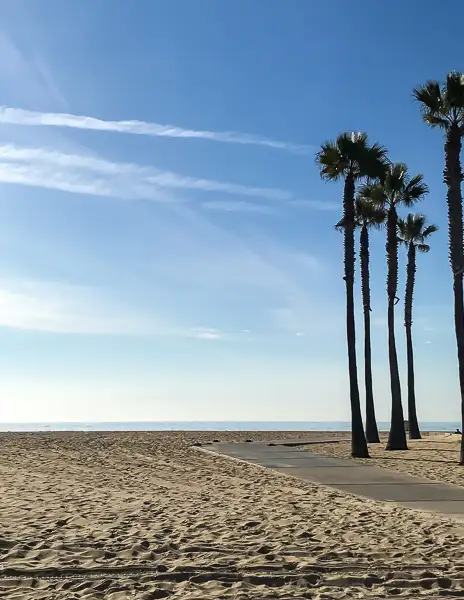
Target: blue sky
[166,243]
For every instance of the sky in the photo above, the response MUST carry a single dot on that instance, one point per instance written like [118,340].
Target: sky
[167,249]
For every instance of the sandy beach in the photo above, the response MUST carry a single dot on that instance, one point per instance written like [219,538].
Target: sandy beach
[146,515]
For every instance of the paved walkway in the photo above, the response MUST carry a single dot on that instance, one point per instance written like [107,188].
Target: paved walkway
[351,477]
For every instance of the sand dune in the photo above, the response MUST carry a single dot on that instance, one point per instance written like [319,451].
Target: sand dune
[145,515]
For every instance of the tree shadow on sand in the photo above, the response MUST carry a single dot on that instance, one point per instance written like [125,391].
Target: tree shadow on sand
[456,451]
[406,459]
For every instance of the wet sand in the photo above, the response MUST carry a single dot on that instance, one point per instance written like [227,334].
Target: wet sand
[146,515]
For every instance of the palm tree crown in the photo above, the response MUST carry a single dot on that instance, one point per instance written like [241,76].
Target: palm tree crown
[396,188]
[350,154]
[367,214]
[414,229]
[442,105]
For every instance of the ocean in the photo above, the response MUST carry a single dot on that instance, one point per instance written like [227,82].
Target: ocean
[211,426]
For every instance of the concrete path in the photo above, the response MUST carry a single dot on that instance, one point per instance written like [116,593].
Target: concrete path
[351,477]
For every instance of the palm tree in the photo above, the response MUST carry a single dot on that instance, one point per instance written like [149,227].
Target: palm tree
[396,188]
[351,158]
[367,216]
[413,232]
[443,106]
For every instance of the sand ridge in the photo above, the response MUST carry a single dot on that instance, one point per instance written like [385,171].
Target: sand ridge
[145,515]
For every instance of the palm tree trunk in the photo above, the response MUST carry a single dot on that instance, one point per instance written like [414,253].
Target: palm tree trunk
[372,433]
[397,436]
[358,440]
[414,431]
[452,178]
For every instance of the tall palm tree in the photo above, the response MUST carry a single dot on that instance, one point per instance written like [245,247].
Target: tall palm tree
[396,188]
[351,158]
[367,216]
[413,232]
[443,106]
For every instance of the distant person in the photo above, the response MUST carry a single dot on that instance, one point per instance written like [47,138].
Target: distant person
[457,431]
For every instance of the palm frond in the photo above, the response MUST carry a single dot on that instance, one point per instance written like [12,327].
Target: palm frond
[354,145]
[429,230]
[414,191]
[433,104]
[330,161]
[340,225]
[402,228]
[435,121]
[348,144]
[415,229]
[416,180]
[395,177]
[415,224]
[455,90]
[423,247]
[429,95]
[369,213]
[373,161]
[348,139]
[373,192]
[411,227]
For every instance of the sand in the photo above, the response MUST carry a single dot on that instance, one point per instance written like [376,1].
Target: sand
[434,457]
[145,516]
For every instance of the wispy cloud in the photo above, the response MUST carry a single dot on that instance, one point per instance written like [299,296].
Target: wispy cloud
[72,309]
[321,205]
[210,256]
[93,175]
[174,180]
[18,116]
[202,333]
[62,308]
[306,319]
[179,249]
[238,206]
[59,308]
[28,74]
[217,254]
[85,174]
[50,178]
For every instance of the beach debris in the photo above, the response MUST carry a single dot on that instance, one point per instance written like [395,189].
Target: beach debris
[62,522]
[250,524]
[155,594]
[265,549]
